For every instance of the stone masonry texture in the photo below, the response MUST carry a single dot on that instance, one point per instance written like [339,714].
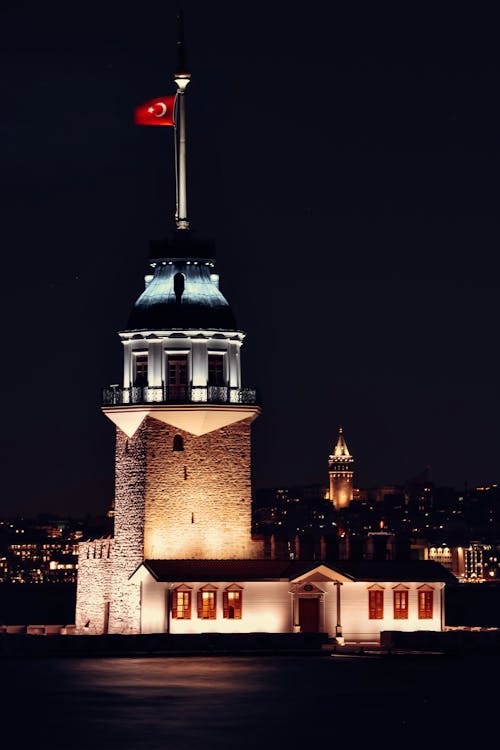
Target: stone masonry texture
[169,504]
[198,500]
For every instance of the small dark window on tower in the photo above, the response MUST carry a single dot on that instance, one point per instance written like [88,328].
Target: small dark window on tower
[178,443]
[178,286]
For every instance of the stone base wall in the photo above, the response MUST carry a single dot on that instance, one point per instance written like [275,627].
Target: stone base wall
[94,586]
[130,498]
[125,614]
[199,499]
[106,601]
[195,502]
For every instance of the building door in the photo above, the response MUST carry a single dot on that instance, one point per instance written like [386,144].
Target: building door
[309,614]
[177,377]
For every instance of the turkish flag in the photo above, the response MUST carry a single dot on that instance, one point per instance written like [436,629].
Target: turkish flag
[156,112]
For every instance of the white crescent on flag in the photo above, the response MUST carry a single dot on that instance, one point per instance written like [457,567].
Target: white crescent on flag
[163,109]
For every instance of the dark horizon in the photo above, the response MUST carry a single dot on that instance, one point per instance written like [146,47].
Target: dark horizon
[344,162]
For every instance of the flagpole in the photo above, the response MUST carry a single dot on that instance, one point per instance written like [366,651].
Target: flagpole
[176,163]
[181,78]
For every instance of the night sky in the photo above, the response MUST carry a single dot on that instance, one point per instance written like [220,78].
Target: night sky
[346,161]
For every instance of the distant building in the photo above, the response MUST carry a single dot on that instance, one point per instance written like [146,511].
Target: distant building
[42,561]
[4,571]
[476,562]
[450,557]
[39,551]
[480,562]
[340,469]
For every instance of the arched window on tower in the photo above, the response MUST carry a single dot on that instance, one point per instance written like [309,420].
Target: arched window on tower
[178,443]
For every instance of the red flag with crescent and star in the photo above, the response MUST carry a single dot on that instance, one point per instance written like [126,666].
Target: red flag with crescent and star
[156,112]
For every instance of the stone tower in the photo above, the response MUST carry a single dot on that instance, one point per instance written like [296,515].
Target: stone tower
[340,469]
[183,421]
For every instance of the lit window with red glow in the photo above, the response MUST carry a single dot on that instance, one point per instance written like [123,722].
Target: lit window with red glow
[207,605]
[425,605]
[232,604]
[181,605]
[376,604]
[401,604]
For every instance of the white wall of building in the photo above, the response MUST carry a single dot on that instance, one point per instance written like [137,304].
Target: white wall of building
[268,607]
[356,624]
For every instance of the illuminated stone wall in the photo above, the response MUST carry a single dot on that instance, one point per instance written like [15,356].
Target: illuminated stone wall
[94,586]
[130,495]
[190,503]
[198,500]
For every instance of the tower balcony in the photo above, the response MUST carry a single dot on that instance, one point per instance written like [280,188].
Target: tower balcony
[115,395]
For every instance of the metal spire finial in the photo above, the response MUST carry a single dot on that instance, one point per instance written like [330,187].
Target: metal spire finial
[182,69]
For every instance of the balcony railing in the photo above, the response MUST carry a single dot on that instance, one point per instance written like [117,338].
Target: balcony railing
[114,395]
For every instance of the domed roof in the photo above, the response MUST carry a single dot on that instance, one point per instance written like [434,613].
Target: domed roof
[181,294]
[182,289]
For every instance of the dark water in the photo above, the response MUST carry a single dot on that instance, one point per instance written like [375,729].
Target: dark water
[248,702]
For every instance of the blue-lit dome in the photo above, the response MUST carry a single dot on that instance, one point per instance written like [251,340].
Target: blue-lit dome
[182,291]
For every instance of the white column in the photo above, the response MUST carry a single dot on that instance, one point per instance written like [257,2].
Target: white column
[126,364]
[200,363]
[154,363]
[234,365]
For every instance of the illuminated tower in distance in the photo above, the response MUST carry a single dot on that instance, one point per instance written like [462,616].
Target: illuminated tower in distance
[340,468]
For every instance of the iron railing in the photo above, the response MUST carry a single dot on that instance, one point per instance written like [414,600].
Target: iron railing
[115,395]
